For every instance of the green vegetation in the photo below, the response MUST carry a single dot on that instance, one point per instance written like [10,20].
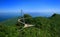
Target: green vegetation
[43,27]
[8,31]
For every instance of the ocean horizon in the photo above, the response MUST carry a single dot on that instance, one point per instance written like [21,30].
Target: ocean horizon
[5,16]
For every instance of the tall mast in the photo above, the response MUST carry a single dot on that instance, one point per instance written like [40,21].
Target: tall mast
[22,16]
[21,13]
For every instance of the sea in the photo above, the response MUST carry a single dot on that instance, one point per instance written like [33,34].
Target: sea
[8,15]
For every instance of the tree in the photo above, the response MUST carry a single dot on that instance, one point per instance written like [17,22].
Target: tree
[8,31]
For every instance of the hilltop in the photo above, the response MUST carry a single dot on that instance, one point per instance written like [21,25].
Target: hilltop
[43,27]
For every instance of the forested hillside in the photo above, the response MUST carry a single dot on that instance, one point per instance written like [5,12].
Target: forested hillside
[43,27]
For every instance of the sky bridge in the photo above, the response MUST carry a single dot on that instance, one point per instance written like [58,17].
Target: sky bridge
[25,25]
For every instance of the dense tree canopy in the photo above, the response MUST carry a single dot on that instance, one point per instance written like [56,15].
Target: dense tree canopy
[43,27]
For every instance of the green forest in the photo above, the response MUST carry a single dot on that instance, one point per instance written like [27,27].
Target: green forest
[43,27]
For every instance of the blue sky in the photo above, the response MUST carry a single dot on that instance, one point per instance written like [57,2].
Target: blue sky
[30,5]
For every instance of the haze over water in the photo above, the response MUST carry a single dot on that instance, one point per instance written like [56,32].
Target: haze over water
[5,16]
[45,8]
